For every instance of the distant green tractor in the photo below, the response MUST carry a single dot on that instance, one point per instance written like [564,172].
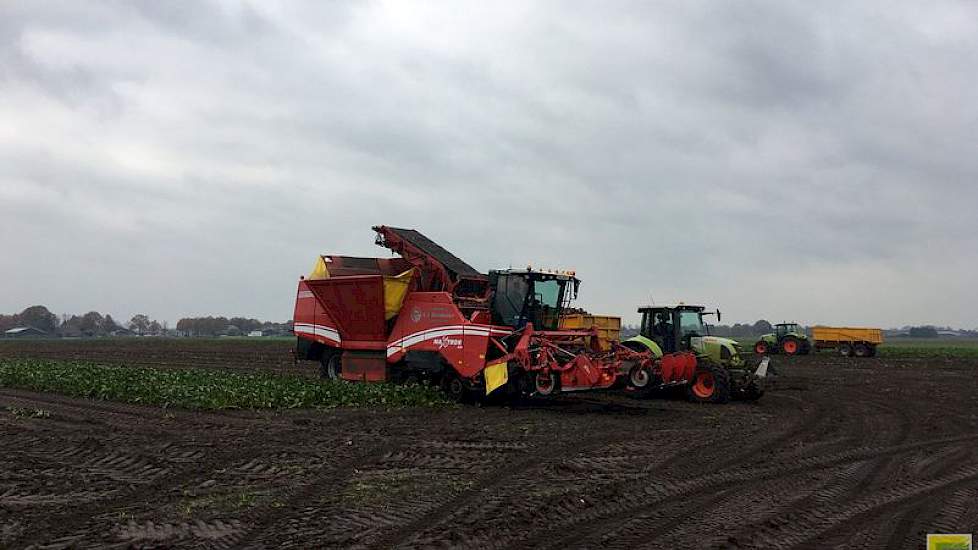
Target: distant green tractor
[722,371]
[787,338]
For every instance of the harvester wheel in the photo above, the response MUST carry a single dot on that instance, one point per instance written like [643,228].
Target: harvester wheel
[790,346]
[453,386]
[861,350]
[639,377]
[845,350]
[545,383]
[330,366]
[760,348]
[710,384]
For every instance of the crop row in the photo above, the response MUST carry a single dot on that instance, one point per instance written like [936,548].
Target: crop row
[204,388]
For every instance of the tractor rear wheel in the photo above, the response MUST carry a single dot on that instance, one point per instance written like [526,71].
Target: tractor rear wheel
[331,365]
[845,350]
[790,346]
[760,348]
[860,350]
[710,384]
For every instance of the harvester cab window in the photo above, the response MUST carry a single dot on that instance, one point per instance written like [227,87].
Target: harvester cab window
[543,307]
[511,293]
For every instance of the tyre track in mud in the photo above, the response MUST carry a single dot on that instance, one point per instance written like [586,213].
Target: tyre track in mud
[846,453]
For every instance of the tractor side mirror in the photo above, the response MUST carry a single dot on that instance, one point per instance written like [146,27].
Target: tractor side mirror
[718,316]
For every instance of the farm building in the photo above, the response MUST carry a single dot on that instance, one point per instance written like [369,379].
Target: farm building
[24,332]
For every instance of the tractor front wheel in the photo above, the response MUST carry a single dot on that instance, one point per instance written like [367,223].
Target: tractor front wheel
[710,384]
[760,348]
[790,346]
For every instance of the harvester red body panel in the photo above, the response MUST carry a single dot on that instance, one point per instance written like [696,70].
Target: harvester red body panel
[445,318]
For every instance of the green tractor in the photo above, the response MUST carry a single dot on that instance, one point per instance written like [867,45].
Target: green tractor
[787,338]
[721,373]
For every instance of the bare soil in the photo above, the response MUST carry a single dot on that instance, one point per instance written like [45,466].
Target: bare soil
[844,453]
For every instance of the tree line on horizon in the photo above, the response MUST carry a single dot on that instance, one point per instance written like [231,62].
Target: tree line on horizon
[94,324]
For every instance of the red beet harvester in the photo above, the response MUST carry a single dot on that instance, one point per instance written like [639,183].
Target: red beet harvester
[429,316]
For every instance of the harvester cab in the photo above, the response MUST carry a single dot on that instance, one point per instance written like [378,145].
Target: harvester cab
[527,296]
[678,328]
[787,338]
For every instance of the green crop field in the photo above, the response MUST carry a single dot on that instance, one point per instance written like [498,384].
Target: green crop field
[204,388]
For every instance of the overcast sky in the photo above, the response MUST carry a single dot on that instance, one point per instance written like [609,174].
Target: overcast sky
[809,161]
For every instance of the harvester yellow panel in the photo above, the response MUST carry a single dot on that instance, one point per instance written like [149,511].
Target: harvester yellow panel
[496,375]
[319,271]
[395,289]
[847,334]
[609,328]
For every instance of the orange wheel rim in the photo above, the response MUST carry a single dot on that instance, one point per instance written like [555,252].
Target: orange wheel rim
[704,385]
[790,347]
[760,348]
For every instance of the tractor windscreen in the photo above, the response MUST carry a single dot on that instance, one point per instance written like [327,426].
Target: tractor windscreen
[691,323]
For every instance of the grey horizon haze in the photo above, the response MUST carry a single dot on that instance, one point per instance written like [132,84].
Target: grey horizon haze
[810,162]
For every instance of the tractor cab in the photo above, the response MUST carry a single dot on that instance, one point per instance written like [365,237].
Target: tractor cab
[784,329]
[673,327]
[529,296]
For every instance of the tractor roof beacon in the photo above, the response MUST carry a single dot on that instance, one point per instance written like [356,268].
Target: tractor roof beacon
[681,328]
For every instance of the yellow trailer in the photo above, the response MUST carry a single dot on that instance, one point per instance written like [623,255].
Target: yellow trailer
[860,342]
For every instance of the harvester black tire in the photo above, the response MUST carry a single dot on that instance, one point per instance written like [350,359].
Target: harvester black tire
[546,384]
[790,346]
[710,384]
[639,377]
[453,386]
[861,350]
[760,348]
[845,350]
[330,366]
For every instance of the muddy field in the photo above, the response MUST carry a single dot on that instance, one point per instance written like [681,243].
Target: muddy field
[871,453]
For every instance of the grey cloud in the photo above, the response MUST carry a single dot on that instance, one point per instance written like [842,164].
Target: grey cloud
[193,158]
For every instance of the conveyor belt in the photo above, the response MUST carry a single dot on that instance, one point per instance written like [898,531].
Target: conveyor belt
[431,248]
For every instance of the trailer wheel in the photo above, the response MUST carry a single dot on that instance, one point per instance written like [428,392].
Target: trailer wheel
[790,346]
[710,384]
[872,351]
[760,348]
[861,350]
[845,350]
[546,383]
[806,347]
[330,366]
